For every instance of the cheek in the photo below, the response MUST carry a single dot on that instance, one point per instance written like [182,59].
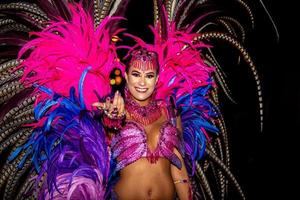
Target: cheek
[151,83]
[132,80]
[151,86]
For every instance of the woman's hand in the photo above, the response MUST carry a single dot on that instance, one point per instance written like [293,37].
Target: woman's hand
[112,108]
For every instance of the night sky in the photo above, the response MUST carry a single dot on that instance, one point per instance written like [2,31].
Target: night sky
[256,156]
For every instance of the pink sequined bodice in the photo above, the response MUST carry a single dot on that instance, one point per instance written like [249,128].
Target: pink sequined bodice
[130,144]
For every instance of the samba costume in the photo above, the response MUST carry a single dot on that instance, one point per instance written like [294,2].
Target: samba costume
[54,143]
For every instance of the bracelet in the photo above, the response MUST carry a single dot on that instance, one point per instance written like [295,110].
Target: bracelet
[114,122]
[181,181]
[114,114]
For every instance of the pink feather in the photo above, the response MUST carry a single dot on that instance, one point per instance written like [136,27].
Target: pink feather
[80,188]
[61,52]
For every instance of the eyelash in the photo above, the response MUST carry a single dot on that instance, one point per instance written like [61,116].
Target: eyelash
[150,76]
[137,75]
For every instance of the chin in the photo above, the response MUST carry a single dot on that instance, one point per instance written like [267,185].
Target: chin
[141,97]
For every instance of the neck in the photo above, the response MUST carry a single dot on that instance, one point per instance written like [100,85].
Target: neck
[142,103]
[144,112]
[139,102]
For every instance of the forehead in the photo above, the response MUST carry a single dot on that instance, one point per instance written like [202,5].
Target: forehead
[138,69]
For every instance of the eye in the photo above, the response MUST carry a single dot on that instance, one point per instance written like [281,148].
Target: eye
[135,74]
[150,76]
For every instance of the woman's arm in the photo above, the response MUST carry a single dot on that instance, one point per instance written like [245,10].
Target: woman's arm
[180,176]
[113,112]
[181,180]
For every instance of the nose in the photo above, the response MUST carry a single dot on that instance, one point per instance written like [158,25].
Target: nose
[142,81]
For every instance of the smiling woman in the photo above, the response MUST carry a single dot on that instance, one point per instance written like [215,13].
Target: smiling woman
[142,75]
[148,147]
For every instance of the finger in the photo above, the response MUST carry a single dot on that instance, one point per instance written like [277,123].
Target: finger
[107,103]
[122,109]
[110,108]
[99,105]
[110,105]
[120,105]
[115,101]
[107,100]
[119,100]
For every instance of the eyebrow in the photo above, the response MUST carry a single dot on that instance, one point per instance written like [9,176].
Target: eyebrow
[150,73]
[134,71]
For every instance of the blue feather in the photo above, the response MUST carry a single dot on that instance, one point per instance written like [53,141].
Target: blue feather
[65,121]
[82,105]
[44,89]
[196,115]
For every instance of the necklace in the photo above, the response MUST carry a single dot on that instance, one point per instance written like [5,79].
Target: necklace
[145,115]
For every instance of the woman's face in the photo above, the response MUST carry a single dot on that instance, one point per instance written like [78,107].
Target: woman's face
[141,83]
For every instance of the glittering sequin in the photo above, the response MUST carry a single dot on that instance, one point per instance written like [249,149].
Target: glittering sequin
[131,144]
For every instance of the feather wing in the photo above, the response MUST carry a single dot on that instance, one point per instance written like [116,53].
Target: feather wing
[18,97]
[68,144]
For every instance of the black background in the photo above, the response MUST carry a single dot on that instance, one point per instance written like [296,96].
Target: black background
[259,159]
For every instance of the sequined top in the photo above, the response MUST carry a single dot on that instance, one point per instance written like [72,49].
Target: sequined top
[130,144]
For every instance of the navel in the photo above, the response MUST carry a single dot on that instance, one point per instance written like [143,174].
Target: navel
[149,194]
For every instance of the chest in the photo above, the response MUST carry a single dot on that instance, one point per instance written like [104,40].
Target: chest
[153,134]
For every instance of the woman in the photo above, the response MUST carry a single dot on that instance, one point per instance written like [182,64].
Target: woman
[147,147]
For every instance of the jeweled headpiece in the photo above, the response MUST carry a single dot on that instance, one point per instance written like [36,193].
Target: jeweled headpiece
[144,60]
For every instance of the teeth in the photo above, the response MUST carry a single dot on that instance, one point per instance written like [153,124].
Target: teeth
[141,90]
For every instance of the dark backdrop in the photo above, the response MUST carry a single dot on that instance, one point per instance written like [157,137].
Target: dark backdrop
[257,157]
